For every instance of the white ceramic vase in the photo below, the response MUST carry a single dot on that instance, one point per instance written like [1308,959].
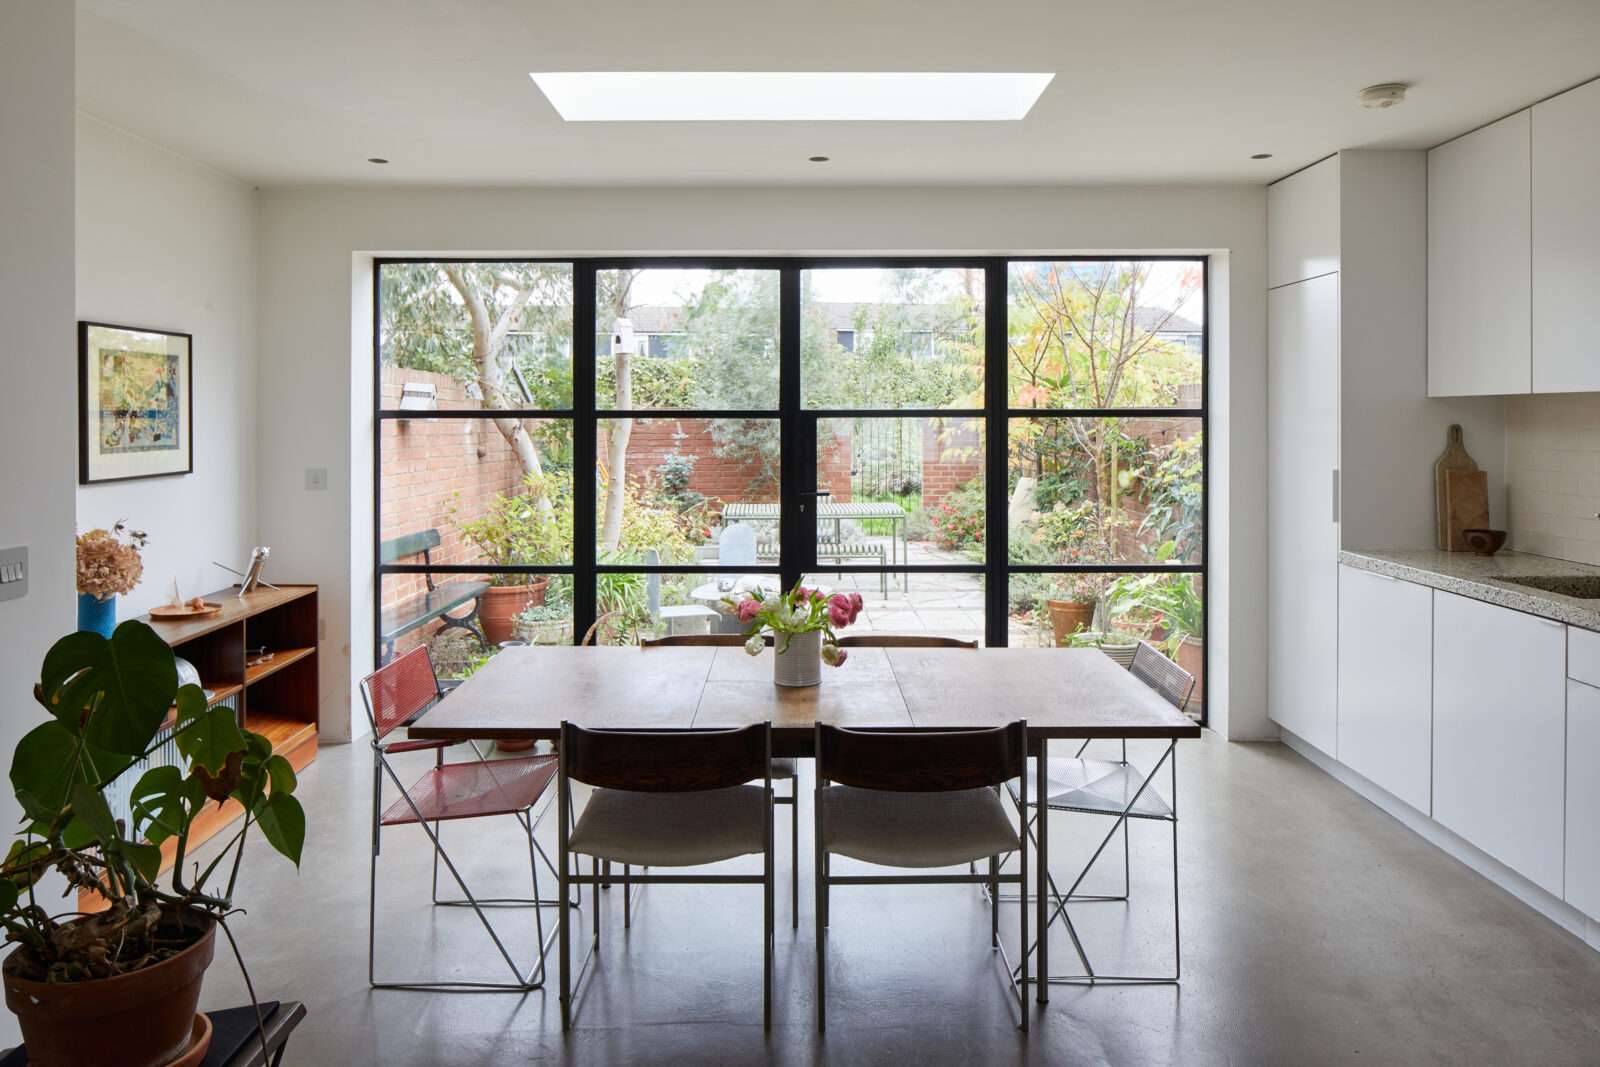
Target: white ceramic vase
[801,663]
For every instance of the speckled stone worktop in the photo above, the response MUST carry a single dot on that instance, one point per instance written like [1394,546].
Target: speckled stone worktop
[1484,578]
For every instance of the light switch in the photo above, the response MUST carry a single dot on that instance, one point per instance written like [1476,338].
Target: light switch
[316,478]
[13,573]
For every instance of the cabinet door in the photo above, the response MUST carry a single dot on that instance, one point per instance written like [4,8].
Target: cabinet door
[1479,251]
[1303,530]
[1303,224]
[1583,798]
[1499,733]
[1566,242]
[1386,683]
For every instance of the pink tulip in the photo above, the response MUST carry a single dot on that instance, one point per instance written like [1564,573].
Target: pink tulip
[748,610]
[833,655]
[856,604]
[838,660]
[839,610]
[801,594]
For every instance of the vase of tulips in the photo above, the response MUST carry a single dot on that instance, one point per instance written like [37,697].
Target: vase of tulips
[803,623]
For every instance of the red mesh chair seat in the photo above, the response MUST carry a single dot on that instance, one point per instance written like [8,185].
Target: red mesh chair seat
[391,747]
[477,787]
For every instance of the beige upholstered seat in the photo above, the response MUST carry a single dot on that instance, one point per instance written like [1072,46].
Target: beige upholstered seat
[915,829]
[671,829]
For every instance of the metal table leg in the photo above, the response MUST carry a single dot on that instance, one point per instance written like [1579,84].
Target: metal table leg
[1042,890]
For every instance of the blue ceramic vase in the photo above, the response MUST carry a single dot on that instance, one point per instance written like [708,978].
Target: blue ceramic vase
[94,614]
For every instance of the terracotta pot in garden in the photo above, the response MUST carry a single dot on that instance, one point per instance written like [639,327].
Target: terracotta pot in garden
[499,606]
[1192,658]
[1067,617]
[140,1019]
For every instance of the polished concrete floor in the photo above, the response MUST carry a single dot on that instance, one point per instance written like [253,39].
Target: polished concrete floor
[1315,930]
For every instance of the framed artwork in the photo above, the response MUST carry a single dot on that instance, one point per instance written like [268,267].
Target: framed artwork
[135,403]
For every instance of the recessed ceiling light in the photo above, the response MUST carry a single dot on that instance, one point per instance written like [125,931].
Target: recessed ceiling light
[790,96]
[376,159]
[1381,96]
[1262,155]
[819,159]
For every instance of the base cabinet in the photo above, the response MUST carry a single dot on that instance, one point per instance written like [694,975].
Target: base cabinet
[1583,798]
[1386,683]
[1500,734]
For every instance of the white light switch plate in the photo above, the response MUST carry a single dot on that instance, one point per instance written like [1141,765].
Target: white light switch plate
[13,573]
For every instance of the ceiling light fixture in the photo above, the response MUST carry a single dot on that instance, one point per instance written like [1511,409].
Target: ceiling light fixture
[376,159]
[1262,155]
[1383,96]
[819,159]
[790,96]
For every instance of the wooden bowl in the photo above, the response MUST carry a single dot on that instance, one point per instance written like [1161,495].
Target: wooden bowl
[1484,542]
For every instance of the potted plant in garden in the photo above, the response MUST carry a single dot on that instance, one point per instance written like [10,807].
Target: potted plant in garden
[121,985]
[1074,611]
[108,564]
[802,622]
[1178,600]
[534,526]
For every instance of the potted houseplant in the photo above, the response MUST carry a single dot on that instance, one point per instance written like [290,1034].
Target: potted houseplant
[534,526]
[121,985]
[1182,608]
[109,563]
[1073,611]
[802,623]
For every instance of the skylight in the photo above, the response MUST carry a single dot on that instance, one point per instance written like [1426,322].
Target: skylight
[790,96]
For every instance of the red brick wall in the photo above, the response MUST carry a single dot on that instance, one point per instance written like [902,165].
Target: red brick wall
[952,456]
[719,479]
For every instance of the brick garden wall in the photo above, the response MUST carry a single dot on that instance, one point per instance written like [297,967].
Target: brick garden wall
[721,480]
[951,457]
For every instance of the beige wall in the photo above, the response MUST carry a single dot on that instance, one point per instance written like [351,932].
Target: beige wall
[1553,475]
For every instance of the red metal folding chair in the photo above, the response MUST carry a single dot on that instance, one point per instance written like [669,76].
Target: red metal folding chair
[395,695]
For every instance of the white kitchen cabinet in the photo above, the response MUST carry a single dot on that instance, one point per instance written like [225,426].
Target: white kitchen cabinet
[1499,733]
[1479,261]
[1583,655]
[1303,239]
[1583,798]
[1566,242]
[1386,683]
[1302,496]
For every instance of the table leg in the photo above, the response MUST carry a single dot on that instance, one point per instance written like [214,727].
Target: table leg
[1042,890]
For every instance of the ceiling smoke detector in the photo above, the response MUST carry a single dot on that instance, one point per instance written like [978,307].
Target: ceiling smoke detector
[1381,96]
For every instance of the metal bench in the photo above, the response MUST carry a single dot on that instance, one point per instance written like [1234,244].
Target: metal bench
[840,551]
[436,602]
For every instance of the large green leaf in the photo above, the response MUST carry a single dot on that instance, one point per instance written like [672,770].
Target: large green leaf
[281,773]
[207,736]
[146,859]
[162,803]
[23,859]
[283,823]
[90,808]
[44,768]
[126,684]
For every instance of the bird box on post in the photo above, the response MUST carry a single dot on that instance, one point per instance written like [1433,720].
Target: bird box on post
[623,341]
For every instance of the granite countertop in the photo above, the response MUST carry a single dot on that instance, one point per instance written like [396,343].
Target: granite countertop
[1484,578]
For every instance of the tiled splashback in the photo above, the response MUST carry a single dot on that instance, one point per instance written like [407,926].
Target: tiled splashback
[1553,475]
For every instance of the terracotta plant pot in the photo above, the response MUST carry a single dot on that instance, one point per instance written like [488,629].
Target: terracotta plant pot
[1192,658]
[499,606]
[1067,618]
[141,1019]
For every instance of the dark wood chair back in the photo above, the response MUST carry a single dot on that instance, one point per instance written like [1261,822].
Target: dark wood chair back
[666,761]
[699,641]
[903,641]
[934,761]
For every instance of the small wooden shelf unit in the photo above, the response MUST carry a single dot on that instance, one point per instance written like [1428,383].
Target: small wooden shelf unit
[277,698]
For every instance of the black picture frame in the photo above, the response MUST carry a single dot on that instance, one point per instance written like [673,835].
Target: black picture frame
[94,468]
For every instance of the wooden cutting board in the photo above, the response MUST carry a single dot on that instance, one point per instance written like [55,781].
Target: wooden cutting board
[1453,458]
[1466,506]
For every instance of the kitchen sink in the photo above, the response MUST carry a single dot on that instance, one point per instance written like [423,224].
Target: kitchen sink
[1581,586]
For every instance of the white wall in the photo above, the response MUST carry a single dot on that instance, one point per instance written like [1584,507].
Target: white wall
[1553,475]
[315,313]
[168,243]
[38,425]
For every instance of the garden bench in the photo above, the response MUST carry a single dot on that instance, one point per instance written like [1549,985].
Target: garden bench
[839,551]
[436,602]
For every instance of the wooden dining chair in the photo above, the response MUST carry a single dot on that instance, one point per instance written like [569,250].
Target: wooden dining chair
[920,800]
[783,768]
[903,641]
[665,798]
[395,695]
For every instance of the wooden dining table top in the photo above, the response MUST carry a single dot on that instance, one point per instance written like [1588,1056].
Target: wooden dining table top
[525,692]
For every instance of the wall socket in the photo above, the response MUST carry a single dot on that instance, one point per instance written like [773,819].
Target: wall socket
[316,478]
[13,573]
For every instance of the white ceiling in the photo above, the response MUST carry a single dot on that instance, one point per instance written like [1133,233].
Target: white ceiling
[302,91]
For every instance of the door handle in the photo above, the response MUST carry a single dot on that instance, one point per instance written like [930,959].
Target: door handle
[1335,495]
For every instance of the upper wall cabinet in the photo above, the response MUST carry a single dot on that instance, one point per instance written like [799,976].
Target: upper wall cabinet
[1303,236]
[1566,242]
[1479,255]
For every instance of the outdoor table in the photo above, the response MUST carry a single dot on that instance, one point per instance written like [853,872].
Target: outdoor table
[1079,694]
[836,513]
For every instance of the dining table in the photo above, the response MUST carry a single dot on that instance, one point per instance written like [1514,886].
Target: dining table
[1063,694]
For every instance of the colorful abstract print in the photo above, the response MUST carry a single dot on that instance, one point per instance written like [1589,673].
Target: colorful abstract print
[139,401]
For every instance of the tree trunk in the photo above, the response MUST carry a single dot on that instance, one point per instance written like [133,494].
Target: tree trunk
[621,429]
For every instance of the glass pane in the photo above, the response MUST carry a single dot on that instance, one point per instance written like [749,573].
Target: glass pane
[670,338]
[631,607]
[666,485]
[945,605]
[891,338]
[1113,612]
[900,490]
[1098,334]
[464,619]
[1111,490]
[471,491]
[467,336]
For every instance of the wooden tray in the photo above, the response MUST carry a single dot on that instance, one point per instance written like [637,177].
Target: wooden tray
[167,611]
